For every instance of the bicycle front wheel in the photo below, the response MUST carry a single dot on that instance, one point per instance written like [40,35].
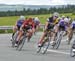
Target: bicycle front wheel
[14,39]
[58,40]
[45,46]
[21,44]
[72,53]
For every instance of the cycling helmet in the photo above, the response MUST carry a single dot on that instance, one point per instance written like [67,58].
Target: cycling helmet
[30,20]
[66,20]
[22,17]
[56,14]
[36,19]
[63,16]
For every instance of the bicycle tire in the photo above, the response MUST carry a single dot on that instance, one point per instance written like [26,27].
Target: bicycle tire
[58,41]
[38,49]
[45,46]
[21,44]
[14,39]
[72,54]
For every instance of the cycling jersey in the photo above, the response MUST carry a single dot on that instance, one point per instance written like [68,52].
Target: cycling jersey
[50,20]
[27,25]
[20,22]
[73,25]
[62,24]
[36,22]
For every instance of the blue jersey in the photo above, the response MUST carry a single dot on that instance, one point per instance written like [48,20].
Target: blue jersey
[36,22]
[62,23]
[50,20]
[73,24]
[20,22]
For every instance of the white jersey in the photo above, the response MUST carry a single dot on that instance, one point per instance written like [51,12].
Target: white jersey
[67,20]
[73,24]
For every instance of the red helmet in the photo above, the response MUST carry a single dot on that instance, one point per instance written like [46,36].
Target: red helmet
[30,20]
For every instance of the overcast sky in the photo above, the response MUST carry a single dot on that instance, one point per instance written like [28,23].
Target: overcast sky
[38,2]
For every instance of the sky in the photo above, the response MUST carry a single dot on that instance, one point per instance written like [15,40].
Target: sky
[38,2]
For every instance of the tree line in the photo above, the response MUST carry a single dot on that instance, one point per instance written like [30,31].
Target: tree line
[64,9]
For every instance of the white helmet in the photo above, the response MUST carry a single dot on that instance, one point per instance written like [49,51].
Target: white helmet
[63,16]
[22,17]
[36,19]
[66,20]
[56,14]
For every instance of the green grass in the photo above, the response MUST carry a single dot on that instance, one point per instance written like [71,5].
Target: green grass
[12,19]
[7,21]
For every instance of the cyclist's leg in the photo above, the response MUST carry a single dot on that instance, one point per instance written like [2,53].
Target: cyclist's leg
[56,27]
[37,28]
[69,33]
[42,38]
[19,36]
[14,30]
[29,34]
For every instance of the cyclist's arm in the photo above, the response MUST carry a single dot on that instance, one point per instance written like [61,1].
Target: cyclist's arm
[22,26]
[49,22]
[46,25]
[16,23]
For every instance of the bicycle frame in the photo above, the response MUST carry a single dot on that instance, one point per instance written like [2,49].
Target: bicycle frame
[22,41]
[58,39]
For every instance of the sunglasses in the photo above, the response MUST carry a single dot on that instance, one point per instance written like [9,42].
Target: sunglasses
[56,16]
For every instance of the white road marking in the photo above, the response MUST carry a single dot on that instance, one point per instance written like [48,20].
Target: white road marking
[50,50]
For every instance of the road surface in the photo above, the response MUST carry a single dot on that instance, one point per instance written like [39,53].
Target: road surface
[28,53]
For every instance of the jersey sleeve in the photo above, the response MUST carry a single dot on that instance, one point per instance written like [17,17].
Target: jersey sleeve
[33,25]
[25,23]
[56,21]
[47,19]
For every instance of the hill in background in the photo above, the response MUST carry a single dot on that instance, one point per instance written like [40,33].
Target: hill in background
[5,7]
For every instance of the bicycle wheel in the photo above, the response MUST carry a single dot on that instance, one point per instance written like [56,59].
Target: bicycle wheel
[72,53]
[53,46]
[21,44]
[58,41]
[45,46]
[38,49]
[14,39]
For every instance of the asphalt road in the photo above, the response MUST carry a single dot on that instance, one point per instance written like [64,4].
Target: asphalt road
[28,53]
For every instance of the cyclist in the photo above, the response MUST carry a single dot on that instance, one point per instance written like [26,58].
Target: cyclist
[68,28]
[18,24]
[61,25]
[63,17]
[72,28]
[71,32]
[51,22]
[64,25]
[29,26]
[37,23]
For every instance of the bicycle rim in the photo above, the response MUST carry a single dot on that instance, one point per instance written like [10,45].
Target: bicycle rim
[45,46]
[58,41]
[72,54]
[39,48]
[14,39]
[20,44]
